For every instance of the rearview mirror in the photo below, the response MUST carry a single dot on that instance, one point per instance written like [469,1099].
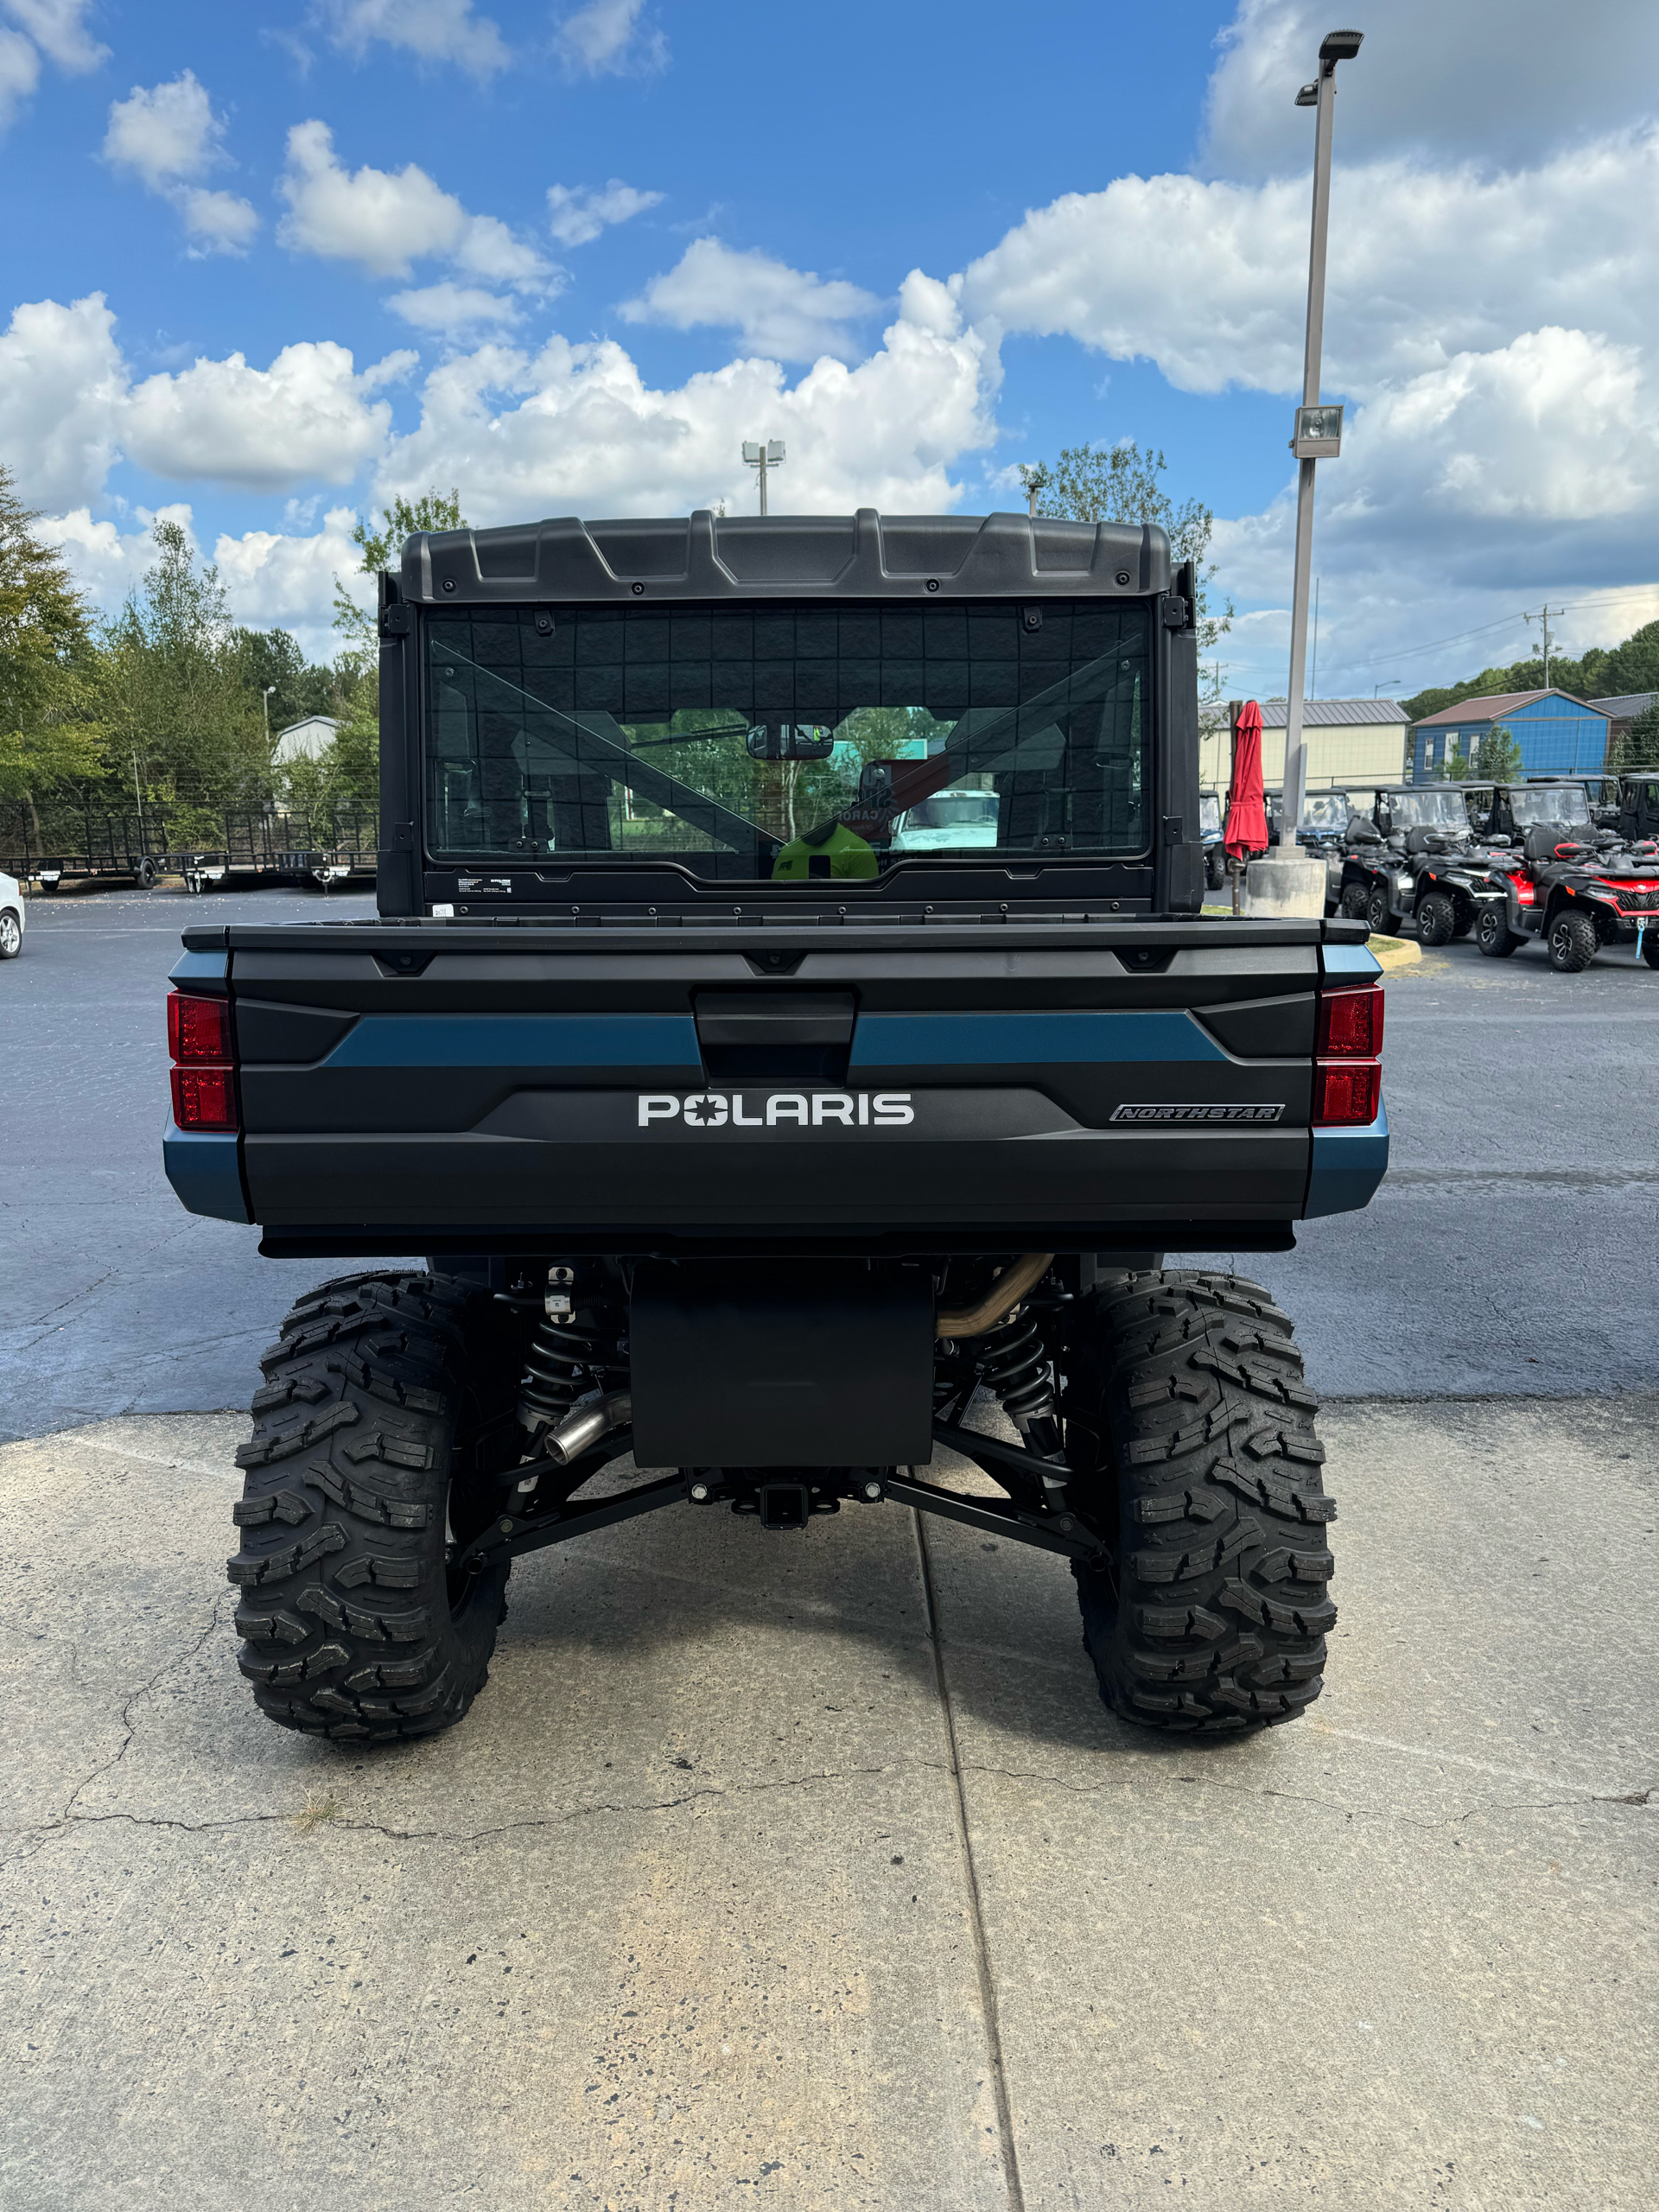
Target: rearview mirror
[779,741]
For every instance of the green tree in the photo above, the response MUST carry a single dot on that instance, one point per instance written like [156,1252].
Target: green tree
[1639,746]
[1121,483]
[344,779]
[171,691]
[402,519]
[50,742]
[272,659]
[1498,757]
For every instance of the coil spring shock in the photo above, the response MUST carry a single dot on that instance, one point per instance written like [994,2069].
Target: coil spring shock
[1015,1363]
[555,1375]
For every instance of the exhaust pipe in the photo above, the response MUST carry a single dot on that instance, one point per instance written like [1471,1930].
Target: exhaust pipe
[580,1430]
[998,1300]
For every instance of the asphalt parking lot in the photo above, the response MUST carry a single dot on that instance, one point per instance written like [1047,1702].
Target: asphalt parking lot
[808,1870]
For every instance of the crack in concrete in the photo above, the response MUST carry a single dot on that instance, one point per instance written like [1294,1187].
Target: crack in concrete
[129,1725]
[46,1831]
[1490,1806]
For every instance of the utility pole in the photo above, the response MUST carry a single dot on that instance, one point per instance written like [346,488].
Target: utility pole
[1542,616]
[1319,430]
[763,457]
[264,703]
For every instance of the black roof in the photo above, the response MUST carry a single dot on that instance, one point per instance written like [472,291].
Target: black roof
[862,555]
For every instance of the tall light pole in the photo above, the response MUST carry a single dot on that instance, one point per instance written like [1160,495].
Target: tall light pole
[1319,430]
[763,457]
[265,702]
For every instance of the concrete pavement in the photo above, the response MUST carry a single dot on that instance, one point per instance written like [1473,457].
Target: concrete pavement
[808,1869]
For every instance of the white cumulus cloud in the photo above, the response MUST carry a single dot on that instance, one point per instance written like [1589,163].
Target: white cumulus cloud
[310,416]
[62,385]
[1208,279]
[449,309]
[69,407]
[167,136]
[59,28]
[576,429]
[576,214]
[275,578]
[51,28]
[790,315]
[384,220]
[432,30]
[611,37]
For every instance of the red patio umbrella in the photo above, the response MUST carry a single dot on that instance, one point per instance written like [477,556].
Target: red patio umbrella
[1247,812]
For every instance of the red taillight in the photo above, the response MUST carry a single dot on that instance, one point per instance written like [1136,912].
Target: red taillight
[199,1030]
[1347,1093]
[203,1098]
[1350,1023]
[1526,894]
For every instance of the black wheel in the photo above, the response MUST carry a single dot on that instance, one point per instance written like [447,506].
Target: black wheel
[1191,1432]
[1571,941]
[1354,901]
[1214,867]
[1378,913]
[1493,934]
[144,875]
[1437,918]
[1651,947]
[386,1398]
[11,934]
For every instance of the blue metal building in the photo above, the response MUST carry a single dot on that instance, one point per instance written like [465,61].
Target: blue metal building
[1558,734]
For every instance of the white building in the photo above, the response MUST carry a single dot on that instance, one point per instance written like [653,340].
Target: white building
[1348,740]
[306,741]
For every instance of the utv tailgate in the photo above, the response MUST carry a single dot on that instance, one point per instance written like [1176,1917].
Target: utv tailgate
[409,1085]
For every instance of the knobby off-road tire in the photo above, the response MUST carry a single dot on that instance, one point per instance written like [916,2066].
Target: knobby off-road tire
[1650,946]
[1354,901]
[1380,916]
[1437,918]
[1573,942]
[373,1437]
[1191,1432]
[1493,935]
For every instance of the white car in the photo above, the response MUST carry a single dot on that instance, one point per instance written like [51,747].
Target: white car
[11,918]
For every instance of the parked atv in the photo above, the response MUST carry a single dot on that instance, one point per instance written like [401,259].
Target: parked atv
[1410,825]
[1580,894]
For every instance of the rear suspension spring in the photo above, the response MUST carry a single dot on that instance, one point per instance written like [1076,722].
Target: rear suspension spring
[1015,1363]
[568,1359]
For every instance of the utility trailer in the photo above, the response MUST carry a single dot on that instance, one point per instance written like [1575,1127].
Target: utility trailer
[103,848]
[750,1144]
[273,848]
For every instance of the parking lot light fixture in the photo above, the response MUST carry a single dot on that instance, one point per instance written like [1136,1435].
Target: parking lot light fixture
[1318,433]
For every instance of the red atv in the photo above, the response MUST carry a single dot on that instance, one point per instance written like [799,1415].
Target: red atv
[1578,888]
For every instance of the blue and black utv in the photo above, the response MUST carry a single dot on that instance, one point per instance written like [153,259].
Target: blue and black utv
[764,1120]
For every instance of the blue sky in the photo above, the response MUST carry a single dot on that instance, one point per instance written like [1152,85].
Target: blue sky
[575,254]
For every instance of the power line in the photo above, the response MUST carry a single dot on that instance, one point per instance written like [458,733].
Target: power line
[1572,606]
